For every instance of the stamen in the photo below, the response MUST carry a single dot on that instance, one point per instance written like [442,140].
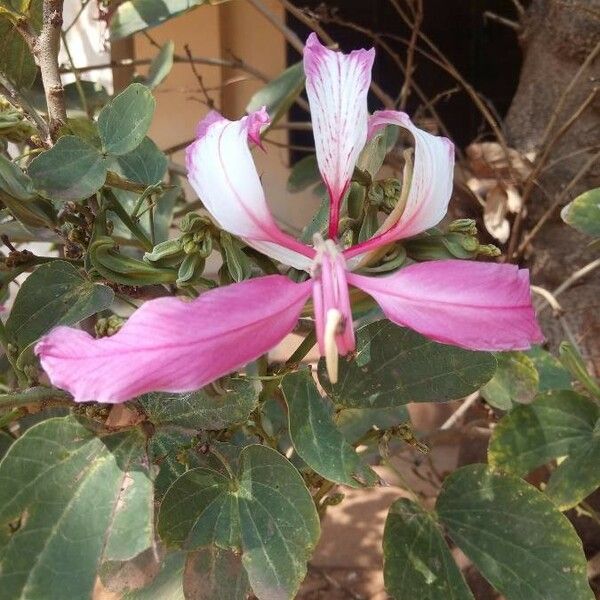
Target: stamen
[332,327]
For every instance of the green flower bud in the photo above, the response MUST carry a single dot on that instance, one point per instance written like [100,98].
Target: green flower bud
[237,262]
[190,270]
[169,251]
[466,226]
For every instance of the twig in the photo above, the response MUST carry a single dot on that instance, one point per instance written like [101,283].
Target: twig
[410,54]
[14,97]
[548,297]
[557,202]
[502,20]
[310,21]
[210,103]
[546,148]
[460,411]
[47,47]
[78,85]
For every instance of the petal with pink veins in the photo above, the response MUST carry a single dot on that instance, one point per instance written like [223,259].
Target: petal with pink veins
[430,185]
[222,172]
[337,86]
[175,346]
[479,306]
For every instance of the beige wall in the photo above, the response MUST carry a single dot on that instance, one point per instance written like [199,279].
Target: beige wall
[233,28]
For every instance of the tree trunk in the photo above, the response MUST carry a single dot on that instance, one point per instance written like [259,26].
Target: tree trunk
[558,36]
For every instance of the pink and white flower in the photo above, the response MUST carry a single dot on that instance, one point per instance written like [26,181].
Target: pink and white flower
[178,346]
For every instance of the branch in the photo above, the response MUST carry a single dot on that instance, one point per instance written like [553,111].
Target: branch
[46,51]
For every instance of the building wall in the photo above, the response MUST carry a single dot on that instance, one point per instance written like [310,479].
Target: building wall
[221,31]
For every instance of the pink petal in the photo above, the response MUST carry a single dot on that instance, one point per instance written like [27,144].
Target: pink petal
[222,172]
[337,86]
[430,186]
[175,346]
[480,306]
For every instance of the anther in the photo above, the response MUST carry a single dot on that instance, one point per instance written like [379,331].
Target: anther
[333,322]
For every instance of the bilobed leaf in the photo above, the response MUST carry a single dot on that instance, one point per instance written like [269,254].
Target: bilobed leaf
[71,170]
[555,424]
[278,95]
[215,574]
[516,380]
[263,509]
[315,437]
[16,60]
[203,409]
[584,213]
[80,498]
[394,366]
[137,15]
[145,164]
[168,583]
[417,560]
[54,294]
[552,375]
[125,120]
[514,535]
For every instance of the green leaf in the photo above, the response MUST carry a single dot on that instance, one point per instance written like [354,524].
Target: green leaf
[168,583]
[203,409]
[80,498]
[584,213]
[137,15]
[394,366]
[514,535]
[54,294]
[315,437]
[125,120]
[278,95]
[373,154]
[552,375]
[215,574]
[71,170]
[417,561]
[318,224]
[578,475]
[304,174]
[16,61]
[265,511]
[161,66]
[552,426]
[145,164]
[355,422]
[516,380]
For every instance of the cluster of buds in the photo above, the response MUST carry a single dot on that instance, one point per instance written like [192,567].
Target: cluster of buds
[384,194]
[460,241]
[108,326]
[13,125]
[77,224]
[188,252]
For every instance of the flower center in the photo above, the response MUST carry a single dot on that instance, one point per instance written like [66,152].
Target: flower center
[333,314]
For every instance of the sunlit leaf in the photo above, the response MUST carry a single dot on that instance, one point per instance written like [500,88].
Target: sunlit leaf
[584,213]
[78,498]
[514,535]
[417,560]
[71,170]
[315,437]
[261,508]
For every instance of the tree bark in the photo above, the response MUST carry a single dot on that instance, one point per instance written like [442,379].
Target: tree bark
[557,38]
